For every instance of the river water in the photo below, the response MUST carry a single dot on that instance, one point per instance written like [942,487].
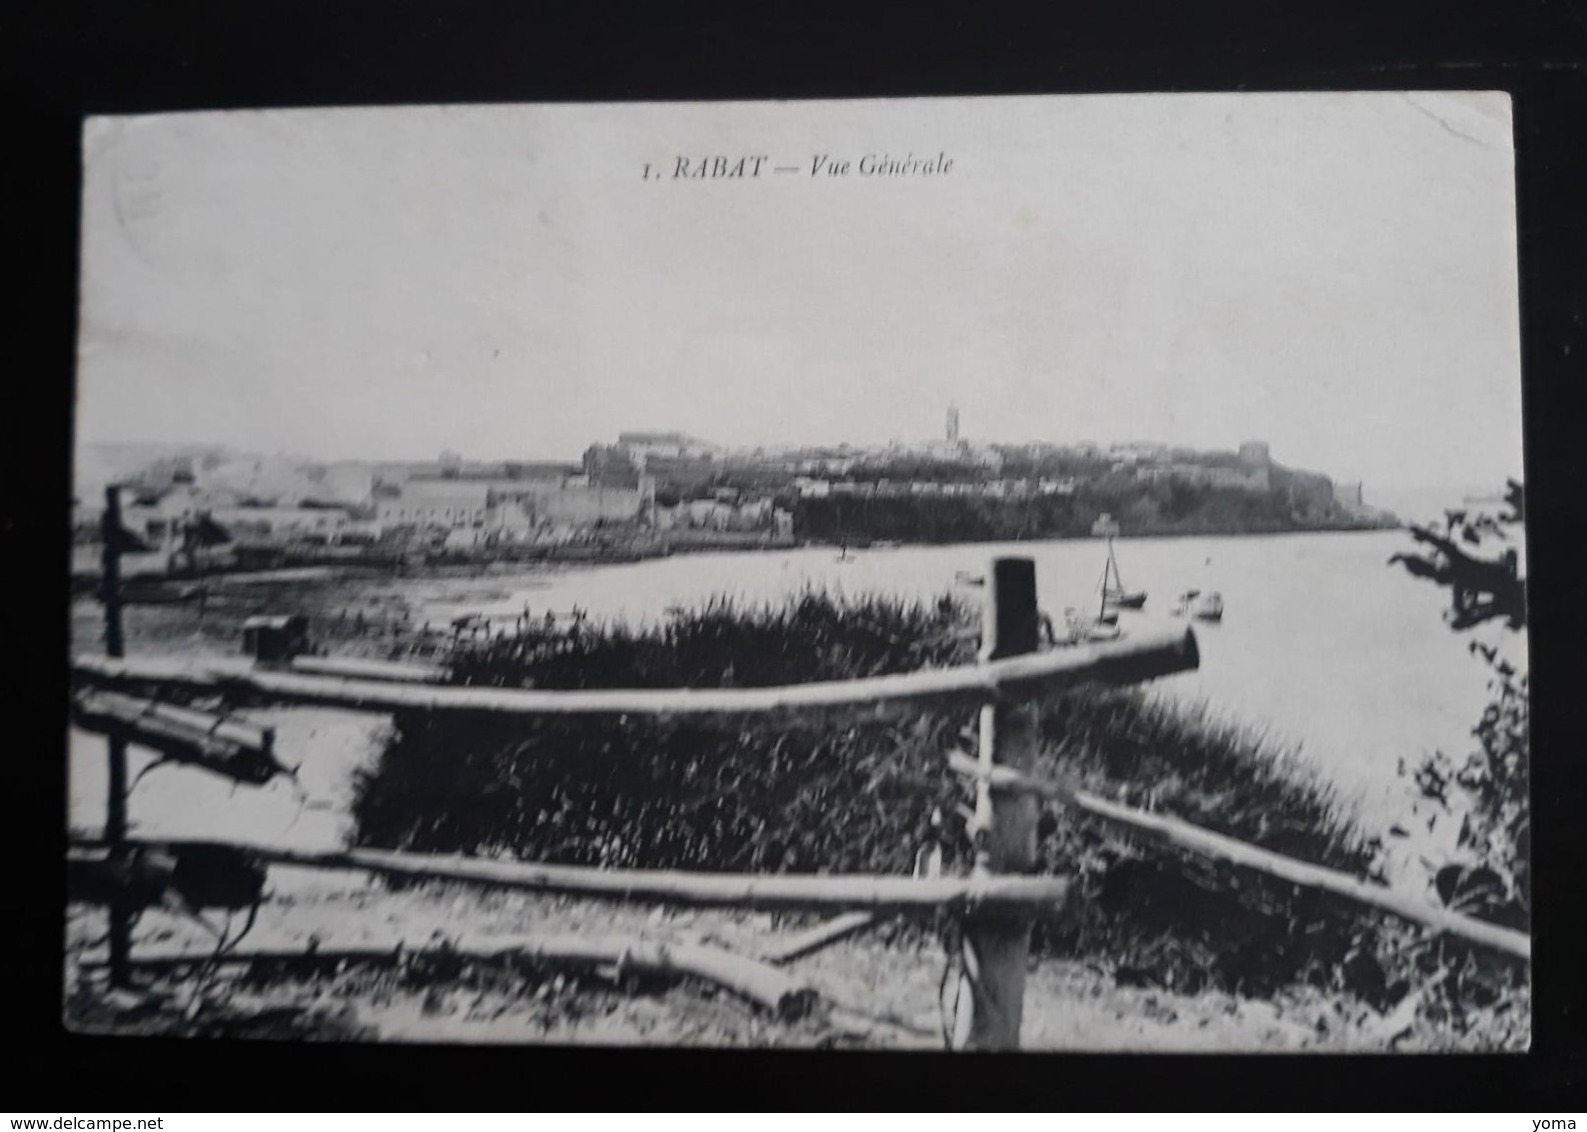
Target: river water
[1323,645]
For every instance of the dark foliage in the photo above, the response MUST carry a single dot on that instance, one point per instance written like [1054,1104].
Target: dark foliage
[1164,508]
[1464,987]
[1492,785]
[859,799]
[1481,589]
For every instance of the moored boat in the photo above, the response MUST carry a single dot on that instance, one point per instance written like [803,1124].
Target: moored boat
[1204,605]
[1114,595]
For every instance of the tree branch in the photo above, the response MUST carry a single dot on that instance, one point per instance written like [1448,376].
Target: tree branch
[1481,589]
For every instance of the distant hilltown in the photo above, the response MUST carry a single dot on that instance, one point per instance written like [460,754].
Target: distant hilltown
[660,491]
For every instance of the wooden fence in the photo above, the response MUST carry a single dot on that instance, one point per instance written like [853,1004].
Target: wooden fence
[996,904]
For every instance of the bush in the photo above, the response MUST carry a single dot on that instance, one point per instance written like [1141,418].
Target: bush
[638,793]
[1491,879]
[1492,785]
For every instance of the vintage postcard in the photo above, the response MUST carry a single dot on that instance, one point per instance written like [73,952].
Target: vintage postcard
[992,573]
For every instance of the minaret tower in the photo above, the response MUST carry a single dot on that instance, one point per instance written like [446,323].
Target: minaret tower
[953,424]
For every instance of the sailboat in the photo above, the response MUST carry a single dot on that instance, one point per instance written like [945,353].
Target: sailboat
[1113,592]
[1105,626]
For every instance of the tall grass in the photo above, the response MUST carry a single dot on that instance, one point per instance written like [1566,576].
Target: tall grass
[648,794]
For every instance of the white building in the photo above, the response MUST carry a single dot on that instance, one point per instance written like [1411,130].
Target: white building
[437,503]
[328,523]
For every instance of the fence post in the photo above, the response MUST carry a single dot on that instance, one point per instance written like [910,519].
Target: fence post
[120,935]
[996,948]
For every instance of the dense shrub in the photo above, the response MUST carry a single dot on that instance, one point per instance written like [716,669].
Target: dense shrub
[1491,875]
[638,793]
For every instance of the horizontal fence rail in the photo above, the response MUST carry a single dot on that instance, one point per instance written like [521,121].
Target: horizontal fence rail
[894,895]
[1145,656]
[1183,835]
[785,996]
[406,672]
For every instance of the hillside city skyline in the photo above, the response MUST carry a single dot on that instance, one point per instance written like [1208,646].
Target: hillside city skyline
[373,451]
[653,489]
[574,455]
[1413,502]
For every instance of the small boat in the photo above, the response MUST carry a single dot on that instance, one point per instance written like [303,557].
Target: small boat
[1202,605]
[1127,600]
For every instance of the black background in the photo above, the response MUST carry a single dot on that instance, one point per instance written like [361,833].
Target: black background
[142,57]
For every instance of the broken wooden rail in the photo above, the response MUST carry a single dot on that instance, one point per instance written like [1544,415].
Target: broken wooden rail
[822,935]
[1183,835]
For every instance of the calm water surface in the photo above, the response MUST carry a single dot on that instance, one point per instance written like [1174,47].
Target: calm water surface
[1322,645]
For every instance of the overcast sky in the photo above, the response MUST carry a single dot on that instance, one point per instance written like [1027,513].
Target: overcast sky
[1333,273]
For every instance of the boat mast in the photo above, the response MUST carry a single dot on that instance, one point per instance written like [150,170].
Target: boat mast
[1106,571]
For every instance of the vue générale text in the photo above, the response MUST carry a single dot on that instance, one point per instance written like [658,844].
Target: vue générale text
[752,166]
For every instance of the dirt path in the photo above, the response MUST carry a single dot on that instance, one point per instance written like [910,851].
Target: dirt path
[887,974]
